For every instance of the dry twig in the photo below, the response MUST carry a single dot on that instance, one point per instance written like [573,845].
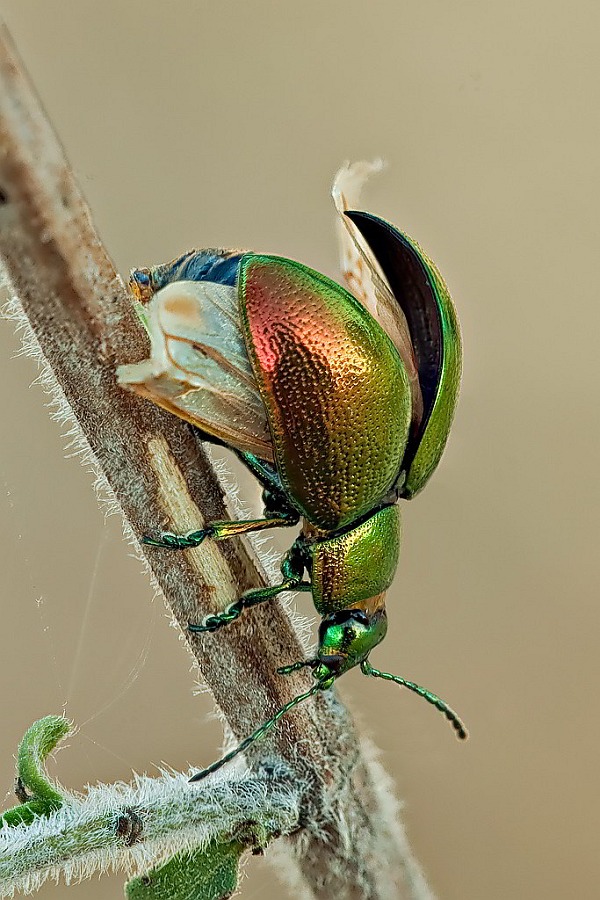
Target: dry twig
[351,845]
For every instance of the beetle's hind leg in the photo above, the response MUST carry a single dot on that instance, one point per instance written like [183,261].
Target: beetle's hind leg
[218,531]
[292,569]
[278,513]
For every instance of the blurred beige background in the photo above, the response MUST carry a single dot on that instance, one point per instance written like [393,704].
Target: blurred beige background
[221,124]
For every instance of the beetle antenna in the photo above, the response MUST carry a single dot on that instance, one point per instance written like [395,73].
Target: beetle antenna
[256,735]
[303,664]
[461,732]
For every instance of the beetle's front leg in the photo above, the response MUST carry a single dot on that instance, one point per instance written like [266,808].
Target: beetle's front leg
[292,569]
[218,531]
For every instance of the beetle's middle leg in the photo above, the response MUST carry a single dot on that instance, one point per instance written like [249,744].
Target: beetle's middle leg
[292,569]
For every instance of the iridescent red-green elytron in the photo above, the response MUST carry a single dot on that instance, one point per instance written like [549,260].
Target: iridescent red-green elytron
[334,415]
[335,390]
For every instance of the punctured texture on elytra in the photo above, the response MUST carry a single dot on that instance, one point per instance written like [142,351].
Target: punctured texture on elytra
[336,391]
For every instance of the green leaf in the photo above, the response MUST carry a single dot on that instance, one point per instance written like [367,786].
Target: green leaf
[207,874]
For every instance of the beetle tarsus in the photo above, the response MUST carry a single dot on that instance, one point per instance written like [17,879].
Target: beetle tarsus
[170,541]
[210,624]
[295,667]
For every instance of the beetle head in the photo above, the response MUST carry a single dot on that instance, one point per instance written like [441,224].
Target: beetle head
[346,638]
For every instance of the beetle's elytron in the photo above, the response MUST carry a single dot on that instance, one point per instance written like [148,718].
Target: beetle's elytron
[339,401]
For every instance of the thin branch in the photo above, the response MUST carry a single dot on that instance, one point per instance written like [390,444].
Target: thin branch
[80,314]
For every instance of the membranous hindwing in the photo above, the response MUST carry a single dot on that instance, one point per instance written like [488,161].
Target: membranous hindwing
[335,389]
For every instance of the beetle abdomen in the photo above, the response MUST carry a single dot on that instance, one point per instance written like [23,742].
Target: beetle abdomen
[334,386]
[358,564]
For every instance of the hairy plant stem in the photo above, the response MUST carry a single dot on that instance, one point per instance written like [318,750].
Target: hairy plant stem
[351,845]
[131,826]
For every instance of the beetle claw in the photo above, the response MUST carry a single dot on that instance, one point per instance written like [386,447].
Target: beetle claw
[170,541]
[210,624]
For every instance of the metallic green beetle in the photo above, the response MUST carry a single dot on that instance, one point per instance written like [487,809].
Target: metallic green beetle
[339,402]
